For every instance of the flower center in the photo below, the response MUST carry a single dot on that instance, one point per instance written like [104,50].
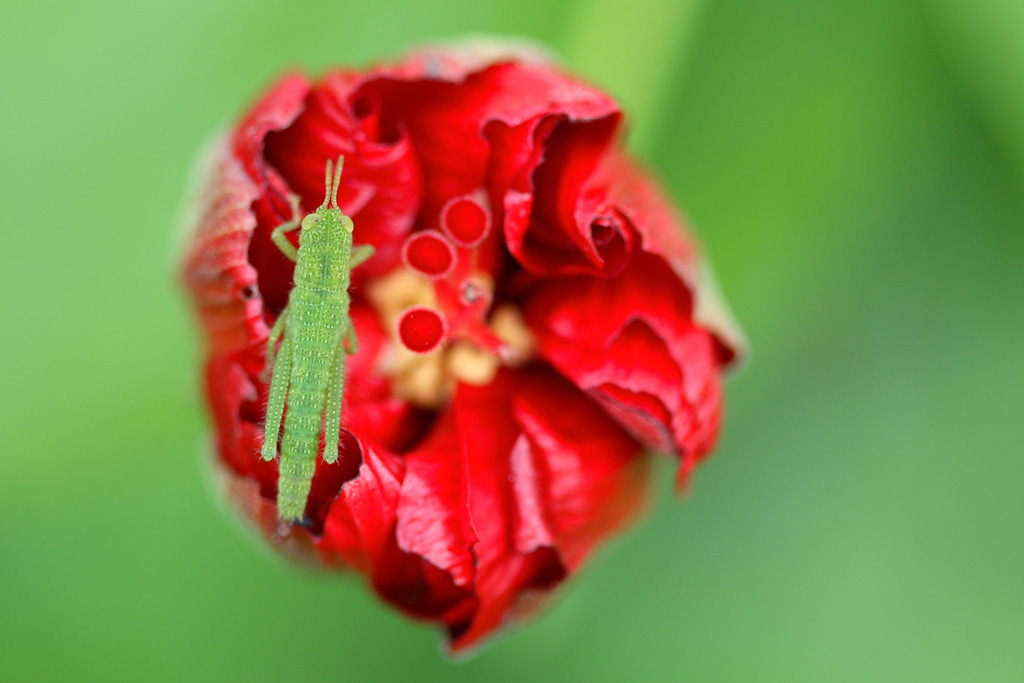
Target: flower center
[438,306]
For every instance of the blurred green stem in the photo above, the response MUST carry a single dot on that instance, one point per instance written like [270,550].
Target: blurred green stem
[981,43]
[635,50]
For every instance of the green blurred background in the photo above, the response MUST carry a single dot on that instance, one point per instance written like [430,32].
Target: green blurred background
[856,169]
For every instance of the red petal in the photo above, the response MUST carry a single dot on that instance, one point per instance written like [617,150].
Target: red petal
[420,589]
[432,520]
[448,121]
[360,521]
[498,516]
[216,268]
[586,468]
[453,124]
[360,530]
[630,343]
[380,186]
[275,111]
[228,389]
[555,227]
[637,197]
[548,476]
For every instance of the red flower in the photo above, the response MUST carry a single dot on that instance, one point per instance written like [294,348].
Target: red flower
[532,321]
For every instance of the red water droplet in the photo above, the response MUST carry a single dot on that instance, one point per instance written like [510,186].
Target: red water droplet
[466,221]
[430,253]
[421,329]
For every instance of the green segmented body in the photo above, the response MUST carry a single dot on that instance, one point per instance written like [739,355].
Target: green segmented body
[309,369]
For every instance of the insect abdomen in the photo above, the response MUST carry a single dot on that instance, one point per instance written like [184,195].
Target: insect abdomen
[315,336]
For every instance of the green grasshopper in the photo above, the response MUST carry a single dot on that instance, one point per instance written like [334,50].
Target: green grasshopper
[309,367]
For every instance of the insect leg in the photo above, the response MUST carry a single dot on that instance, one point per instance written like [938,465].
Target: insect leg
[351,338]
[360,254]
[275,402]
[275,334]
[332,420]
[278,234]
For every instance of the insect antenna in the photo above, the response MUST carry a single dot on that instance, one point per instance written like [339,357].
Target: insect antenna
[337,179]
[327,186]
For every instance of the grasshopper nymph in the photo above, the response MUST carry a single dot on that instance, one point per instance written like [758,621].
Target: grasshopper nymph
[309,366]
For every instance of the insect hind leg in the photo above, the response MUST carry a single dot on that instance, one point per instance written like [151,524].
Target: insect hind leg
[275,335]
[332,409]
[276,399]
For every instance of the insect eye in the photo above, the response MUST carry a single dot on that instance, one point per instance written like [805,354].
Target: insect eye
[310,220]
[348,224]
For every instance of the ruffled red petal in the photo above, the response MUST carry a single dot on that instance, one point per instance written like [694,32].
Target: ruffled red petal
[630,342]
[360,520]
[637,198]
[216,268]
[432,516]
[547,474]
[381,184]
